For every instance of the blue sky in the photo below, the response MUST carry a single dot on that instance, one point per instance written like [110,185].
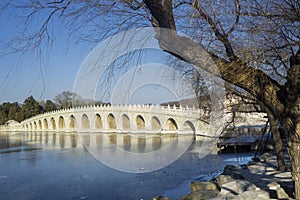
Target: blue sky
[42,78]
[45,75]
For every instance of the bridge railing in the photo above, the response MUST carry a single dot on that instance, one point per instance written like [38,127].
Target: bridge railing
[115,107]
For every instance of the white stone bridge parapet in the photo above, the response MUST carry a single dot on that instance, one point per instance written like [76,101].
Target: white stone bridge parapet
[119,118]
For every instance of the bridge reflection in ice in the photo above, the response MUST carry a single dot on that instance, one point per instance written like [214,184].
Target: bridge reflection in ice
[139,143]
[134,153]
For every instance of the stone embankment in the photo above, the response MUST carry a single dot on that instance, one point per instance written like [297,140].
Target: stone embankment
[255,180]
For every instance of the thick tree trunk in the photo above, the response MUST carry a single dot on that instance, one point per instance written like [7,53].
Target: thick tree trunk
[293,128]
[295,159]
[292,123]
[278,142]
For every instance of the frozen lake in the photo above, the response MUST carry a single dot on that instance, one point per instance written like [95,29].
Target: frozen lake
[57,166]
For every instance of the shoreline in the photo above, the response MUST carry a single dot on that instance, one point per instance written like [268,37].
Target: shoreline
[255,180]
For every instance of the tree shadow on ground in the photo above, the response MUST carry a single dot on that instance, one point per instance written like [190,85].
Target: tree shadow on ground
[264,173]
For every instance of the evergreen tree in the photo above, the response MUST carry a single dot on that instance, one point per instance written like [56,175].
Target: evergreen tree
[30,108]
[14,112]
[49,106]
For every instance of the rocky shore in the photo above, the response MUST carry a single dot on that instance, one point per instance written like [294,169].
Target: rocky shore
[258,179]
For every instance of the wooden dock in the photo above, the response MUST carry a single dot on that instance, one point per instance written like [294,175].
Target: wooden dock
[242,143]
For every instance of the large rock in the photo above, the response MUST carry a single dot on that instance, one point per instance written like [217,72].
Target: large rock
[235,168]
[237,187]
[252,195]
[276,188]
[233,175]
[201,194]
[234,171]
[204,186]
[223,179]
[265,157]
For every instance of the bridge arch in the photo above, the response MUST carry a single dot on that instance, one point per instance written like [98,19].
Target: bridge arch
[40,125]
[171,125]
[85,122]
[155,123]
[27,127]
[72,122]
[30,126]
[61,122]
[45,122]
[125,122]
[98,122]
[140,122]
[189,127]
[34,125]
[52,122]
[111,121]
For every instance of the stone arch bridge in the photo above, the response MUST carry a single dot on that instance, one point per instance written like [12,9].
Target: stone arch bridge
[119,118]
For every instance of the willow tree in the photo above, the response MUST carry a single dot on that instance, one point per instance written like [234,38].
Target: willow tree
[255,44]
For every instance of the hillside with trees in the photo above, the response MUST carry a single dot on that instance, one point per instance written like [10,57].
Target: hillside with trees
[31,107]
[14,111]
